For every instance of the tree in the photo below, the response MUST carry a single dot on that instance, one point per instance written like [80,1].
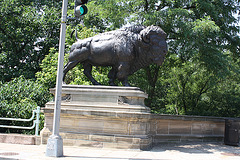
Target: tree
[203,48]
[199,34]
[203,53]
[27,31]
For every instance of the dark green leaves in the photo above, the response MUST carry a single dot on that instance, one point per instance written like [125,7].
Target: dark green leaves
[27,30]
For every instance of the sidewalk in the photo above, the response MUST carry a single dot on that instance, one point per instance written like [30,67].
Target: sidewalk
[172,151]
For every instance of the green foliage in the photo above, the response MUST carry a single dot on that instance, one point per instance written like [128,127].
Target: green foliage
[18,98]
[27,30]
[200,75]
[199,34]
[203,51]
[49,69]
[108,15]
[223,100]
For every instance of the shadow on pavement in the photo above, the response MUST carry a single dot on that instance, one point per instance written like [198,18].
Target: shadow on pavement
[196,147]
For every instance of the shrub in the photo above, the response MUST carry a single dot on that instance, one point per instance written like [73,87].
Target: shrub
[18,98]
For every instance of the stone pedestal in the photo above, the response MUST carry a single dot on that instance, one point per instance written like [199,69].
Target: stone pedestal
[101,116]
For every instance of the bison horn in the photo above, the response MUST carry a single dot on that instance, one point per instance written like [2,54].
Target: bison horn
[146,39]
[145,36]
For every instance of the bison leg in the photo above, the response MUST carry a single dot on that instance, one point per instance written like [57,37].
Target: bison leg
[88,72]
[69,66]
[125,83]
[76,56]
[123,72]
[112,75]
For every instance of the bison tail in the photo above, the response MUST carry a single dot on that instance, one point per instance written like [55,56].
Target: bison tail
[75,34]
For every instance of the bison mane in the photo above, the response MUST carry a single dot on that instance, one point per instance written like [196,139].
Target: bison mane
[138,37]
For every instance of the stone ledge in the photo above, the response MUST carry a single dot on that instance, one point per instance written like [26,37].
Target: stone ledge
[100,107]
[117,114]
[101,90]
[102,98]
[20,139]
[187,117]
[134,114]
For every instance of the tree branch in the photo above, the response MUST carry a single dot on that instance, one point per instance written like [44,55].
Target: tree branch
[23,46]
[6,34]
[152,79]
[189,7]
[202,91]
[146,5]
[161,5]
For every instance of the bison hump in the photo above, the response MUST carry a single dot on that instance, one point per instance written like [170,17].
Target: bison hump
[124,47]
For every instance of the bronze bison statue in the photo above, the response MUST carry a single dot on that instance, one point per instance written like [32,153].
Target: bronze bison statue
[126,50]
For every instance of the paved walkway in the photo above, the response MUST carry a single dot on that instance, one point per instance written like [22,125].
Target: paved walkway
[173,151]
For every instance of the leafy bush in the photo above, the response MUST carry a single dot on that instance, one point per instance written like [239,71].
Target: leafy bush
[18,98]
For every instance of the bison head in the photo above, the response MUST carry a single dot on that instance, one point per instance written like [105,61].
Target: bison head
[153,38]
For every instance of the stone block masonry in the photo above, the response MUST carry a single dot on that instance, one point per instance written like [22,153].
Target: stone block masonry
[172,128]
[116,117]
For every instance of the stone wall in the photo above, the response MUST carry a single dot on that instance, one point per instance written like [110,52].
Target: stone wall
[168,128]
[131,130]
[116,117]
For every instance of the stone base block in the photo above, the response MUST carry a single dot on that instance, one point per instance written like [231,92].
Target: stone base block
[54,146]
[101,141]
[101,129]
[101,116]
[19,139]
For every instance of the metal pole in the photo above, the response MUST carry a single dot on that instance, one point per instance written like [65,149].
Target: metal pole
[55,142]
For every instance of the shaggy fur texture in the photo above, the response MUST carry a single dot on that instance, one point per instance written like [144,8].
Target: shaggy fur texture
[126,50]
